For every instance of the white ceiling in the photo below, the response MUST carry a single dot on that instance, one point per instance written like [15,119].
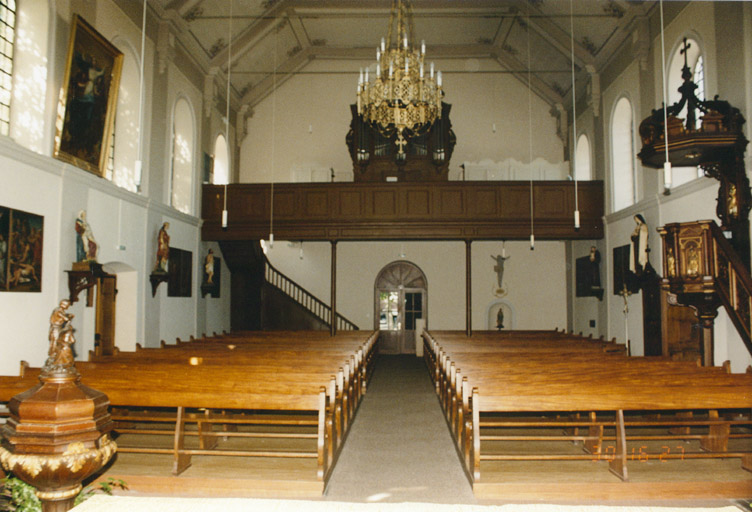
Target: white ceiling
[286,35]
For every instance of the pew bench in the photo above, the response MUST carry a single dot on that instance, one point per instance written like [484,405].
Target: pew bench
[502,384]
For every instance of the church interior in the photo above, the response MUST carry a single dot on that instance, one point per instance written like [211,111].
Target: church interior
[289,244]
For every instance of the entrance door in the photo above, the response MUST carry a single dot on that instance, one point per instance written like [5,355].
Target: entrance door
[400,294]
[104,341]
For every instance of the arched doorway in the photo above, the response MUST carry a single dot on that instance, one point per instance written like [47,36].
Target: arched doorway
[400,299]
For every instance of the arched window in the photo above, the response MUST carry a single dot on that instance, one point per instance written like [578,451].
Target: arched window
[221,168]
[693,56]
[182,157]
[583,172]
[126,133]
[622,155]
[7,32]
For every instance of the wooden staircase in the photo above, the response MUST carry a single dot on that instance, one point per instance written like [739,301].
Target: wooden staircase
[262,298]
[703,271]
[305,299]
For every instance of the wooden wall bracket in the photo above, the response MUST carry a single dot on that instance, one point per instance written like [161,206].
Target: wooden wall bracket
[156,278]
[84,276]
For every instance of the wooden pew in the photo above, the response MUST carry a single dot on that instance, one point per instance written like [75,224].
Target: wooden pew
[250,386]
[500,376]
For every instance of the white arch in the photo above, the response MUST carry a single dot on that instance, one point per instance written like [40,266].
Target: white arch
[583,171]
[623,168]
[127,122]
[221,165]
[182,156]
[510,314]
[126,305]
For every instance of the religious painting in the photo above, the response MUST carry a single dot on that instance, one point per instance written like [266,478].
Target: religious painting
[588,275]
[86,113]
[4,247]
[625,280]
[211,281]
[21,238]
[179,273]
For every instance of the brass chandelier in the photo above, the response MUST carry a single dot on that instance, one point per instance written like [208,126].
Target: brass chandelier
[400,99]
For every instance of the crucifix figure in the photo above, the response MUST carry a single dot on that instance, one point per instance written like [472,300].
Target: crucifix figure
[499,267]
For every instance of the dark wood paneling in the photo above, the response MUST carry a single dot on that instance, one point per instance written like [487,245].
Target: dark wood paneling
[317,203]
[451,202]
[418,203]
[384,203]
[393,211]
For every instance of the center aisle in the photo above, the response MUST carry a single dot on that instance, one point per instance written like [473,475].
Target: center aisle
[399,447]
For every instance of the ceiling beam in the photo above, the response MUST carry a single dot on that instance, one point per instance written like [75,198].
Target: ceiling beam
[251,35]
[537,85]
[555,36]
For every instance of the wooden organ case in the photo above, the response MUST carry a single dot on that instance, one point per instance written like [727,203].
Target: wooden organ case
[375,156]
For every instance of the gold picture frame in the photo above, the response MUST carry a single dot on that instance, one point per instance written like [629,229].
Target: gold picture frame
[88,99]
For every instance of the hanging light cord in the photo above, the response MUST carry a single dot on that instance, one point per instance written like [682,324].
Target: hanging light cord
[530,133]
[227,115]
[139,161]
[574,122]
[274,124]
[667,163]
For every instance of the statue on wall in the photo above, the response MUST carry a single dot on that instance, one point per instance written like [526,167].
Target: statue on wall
[209,267]
[500,318]
[86,245]
[638,259]
[163,249]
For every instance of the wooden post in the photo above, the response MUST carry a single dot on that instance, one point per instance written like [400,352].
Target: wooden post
[468,289]
[333,319]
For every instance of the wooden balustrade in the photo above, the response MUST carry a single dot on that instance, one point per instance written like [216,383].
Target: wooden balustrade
[459,210]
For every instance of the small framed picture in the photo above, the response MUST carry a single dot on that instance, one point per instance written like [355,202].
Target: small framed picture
[21,244]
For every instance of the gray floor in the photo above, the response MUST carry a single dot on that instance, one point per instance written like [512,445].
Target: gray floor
[399,447]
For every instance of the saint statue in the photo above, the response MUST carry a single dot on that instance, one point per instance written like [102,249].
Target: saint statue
[638,251]
[500,318]
[163,249]
[86,246]
[209,267]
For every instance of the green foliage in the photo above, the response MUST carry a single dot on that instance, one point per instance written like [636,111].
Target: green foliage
[18,496]
[105,487]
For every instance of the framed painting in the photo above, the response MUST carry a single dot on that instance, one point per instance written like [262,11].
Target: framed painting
[4,246]
[21,250]
[86,112]
[179,272]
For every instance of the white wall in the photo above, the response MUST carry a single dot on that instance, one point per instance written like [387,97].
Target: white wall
[279,138]
[124,223]
[536,279]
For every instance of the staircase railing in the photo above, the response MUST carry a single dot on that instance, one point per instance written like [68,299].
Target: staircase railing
[699,261]
[300,295]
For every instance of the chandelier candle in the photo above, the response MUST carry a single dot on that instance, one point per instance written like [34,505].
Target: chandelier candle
[400,101]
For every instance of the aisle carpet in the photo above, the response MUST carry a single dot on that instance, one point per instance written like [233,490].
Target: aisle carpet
[399,447]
